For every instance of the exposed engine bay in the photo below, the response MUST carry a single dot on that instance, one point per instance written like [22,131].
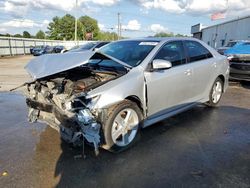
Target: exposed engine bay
[61,101]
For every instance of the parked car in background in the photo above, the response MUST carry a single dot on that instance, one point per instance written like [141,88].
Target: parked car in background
[229,45]
[58,49]
[105,97]
[36,49]
[43,50]
[239,56]
[31,49]
[88,46]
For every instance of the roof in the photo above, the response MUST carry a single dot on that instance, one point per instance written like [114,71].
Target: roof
[226,22]
[158,39]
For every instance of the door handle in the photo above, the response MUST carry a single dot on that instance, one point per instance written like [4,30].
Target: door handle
[187,72]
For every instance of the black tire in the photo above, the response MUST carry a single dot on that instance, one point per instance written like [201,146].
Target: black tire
[112,113]
[211,102]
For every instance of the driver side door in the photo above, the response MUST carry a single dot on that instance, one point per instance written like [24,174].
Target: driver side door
[171,88]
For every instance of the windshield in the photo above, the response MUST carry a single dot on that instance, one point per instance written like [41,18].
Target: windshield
[230,44]
[129,52]
[101,62]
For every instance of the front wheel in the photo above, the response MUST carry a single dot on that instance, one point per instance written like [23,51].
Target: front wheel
[121,128]
[215,93]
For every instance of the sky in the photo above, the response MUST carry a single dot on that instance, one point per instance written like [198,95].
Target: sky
[139,18]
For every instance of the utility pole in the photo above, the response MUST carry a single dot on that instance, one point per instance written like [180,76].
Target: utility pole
[118,26]
[76,24]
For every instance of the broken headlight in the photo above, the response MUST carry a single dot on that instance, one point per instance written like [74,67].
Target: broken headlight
[84,116]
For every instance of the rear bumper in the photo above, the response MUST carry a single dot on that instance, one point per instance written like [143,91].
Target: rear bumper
[240,71]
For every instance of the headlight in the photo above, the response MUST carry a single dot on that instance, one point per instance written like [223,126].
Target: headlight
[84,116]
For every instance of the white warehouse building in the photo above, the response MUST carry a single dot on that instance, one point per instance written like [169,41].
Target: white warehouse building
[220,34]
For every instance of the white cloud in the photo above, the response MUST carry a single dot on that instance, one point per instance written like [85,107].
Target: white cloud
[2,30]
[101,26]
[104,2]
[46,22]
[167,5]
[23,23]
[157,28]
[11,7]
[18,8]
[197,7]
[132,25]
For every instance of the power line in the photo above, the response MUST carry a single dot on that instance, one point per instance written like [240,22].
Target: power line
[118,25]
[76,24]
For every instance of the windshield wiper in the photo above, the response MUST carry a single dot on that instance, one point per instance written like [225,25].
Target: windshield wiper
[116,60]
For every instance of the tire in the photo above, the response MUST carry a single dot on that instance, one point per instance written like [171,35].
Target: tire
[215,93]
[119,133]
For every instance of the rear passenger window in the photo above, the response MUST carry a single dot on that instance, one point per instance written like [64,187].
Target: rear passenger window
[196,51]
[173,52]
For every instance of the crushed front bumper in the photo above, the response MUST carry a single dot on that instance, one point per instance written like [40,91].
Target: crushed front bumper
[71,129]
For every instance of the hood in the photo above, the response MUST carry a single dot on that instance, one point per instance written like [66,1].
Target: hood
[50,64]
[239,49]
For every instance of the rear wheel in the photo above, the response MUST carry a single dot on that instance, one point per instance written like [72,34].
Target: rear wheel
[215,93]
[121,128]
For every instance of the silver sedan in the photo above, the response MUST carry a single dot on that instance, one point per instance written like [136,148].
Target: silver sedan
[106,97]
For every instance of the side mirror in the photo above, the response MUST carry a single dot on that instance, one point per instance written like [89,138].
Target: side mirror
[95,49]
[160,64]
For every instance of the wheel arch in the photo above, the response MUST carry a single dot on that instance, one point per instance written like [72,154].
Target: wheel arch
[136,100]
[223,80]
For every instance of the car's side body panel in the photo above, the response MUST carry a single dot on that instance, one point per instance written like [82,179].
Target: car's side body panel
[166,92]
[167,88]
[130,84]
[166,113]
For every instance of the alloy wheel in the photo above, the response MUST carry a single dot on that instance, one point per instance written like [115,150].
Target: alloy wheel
[125,127]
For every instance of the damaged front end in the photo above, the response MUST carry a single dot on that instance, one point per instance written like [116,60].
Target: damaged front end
[61,100]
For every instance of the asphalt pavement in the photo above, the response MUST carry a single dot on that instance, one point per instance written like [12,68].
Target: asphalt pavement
[202,147]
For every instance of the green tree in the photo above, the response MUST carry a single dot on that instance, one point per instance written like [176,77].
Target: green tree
[40,35]
[17,35]
[106,36]
[163,34]
[6,35]
[26,34]
[90,25]
[64,28]
[180,35]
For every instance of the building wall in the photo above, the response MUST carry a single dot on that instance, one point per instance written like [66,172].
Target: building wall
[218,35]
[10,46]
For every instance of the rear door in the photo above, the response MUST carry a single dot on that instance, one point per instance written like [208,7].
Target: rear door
[203,65]
[170,88]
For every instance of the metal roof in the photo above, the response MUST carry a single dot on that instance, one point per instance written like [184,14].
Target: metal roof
[226,22]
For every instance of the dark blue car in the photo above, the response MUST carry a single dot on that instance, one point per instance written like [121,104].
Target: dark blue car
[43,50]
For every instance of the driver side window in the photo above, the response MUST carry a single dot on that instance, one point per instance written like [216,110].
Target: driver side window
[173,52]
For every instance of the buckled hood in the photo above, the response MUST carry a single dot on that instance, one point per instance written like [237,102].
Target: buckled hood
[50,64]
